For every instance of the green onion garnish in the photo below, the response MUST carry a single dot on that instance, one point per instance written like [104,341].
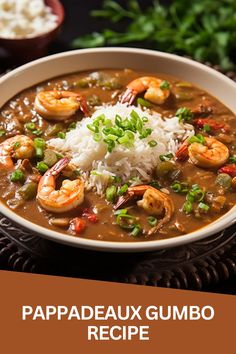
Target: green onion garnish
[180,187]
[136,230]
[145,119]
[143,103]
[37,132]
[184,114]
[2,132]
[42,167]
[152,143]
[30,126]
[197,139]
[203,206]
[152,220]
[126,221]
[165,85]
[17,176]
[97,137]
[120,211]
[61,135]
[111,194]
[123,189]
[72,126]
[232,159]
[166,157]
[187,207]
[39,145]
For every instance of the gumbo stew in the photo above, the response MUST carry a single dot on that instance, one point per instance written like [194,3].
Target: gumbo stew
[118,155]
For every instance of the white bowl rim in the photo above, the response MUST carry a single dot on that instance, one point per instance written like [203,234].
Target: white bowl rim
[115,246]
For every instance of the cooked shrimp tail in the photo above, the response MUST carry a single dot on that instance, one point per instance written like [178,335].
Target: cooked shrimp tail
[68,197]
[17,147]
[59,105]
[152,87]
[153,201]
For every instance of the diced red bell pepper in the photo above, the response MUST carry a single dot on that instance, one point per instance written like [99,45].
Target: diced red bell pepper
[87,213]
[229,169]
[77,225]
[200,122]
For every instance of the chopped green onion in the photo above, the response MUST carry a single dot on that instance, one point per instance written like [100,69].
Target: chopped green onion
[180,187]
[145,119]
[72,126]
[61,135]
[187,207]
[116,179]
[37,132]
[143,103]
[126,221]
[152,143]
[206,128]
[39,145]
[166,157]
[30,126]
[152,220]
[2,132]
[111,194]
[197,139]
[97,137]
[145,133]
[42,167]
[232,159]
[17,176]
[120,211]
[165,85]
[136,230]
[184,114]
[93,128]
[203,206]
[123,189]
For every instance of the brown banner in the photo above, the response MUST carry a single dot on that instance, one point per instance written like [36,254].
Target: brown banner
[41,299]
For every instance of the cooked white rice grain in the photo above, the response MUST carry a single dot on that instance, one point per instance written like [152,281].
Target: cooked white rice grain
[137,161]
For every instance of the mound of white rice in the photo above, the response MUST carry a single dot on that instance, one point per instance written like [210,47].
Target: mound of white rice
[137,161]
[25,18]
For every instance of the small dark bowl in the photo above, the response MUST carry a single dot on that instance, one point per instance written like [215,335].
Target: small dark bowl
[25,49]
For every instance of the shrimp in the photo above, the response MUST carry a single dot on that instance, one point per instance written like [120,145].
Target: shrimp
[17,147]
[58,105]
[154,202]
[212,154]
[151,85]
[69,196]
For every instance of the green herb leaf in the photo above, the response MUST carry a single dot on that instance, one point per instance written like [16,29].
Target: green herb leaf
[165,85]
[17,176]
[184,114]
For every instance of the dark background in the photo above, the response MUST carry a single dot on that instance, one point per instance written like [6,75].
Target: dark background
[78,22]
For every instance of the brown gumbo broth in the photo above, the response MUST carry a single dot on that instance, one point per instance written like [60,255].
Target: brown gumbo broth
[194,206]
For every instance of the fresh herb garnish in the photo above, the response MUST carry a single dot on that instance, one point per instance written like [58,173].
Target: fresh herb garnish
[184,114]
[143,103]
[206,128]
[205,30]
[61,135]
[120,132]
[166,157]
[17,176]
[232,159]
[197,139]
[2,132]
[165,85]
[152,220]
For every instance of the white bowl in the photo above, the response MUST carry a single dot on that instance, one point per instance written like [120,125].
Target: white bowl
[89,59]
